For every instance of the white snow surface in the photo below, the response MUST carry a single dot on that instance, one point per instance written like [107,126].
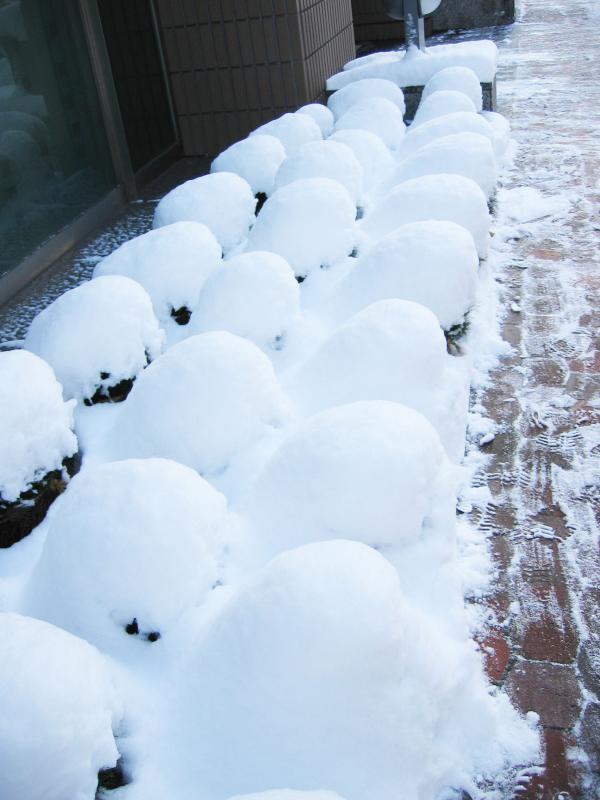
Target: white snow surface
[432,262]
[254,295]
[468,154]
[416,68]
[501,132]
[440,103]
[106,325]
[223,201]
[460,79]
[35,423]
[309,222]
[409,705]
[292,130]
[288,794]
[128,539]
[326,159]
[171,263]
[321,115]
[378,115]
[256,159]
[372,153]
[201,403]
[373,472]
[446,125]
[341,101]
[452,198]
[59,710]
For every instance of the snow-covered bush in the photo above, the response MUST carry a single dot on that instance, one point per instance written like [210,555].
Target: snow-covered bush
[256,159]
[446,125]
[373,155]
[131,545]
[97,337]
[453,198]
[309,222]
[501,132]
[318,672]
[321,115]
[444,101]
[222,201]
[171,263]
[392,350]
[59,709]
[378,115]
[373,472]
[254,295]
[458,79]
[433,263]
[325,159]
[203,401]
[292,130]
[341,101]
[468,154]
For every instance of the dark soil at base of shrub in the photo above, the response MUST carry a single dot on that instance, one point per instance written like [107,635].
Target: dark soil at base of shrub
[110,779]
[181,315]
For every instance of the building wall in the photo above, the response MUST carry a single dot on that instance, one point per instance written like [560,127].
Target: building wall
[237,63]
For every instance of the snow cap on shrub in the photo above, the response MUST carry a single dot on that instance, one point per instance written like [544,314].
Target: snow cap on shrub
[292,130]
[59,709]
[439,103]
[500,131]
[458,79]
[136,539]
[256,159]
[373,155]
[453,198]
[222,201]
[433,263]
[105,327]
[171,263]
[378,115]
[35,423]
[309,222]
[321,115]
[202,402]
[341,101]
[254,295]
[325,159]
[446,125]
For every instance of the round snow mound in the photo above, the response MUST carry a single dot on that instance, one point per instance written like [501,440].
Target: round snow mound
[392,350]
[254,295]
[467,154]
[59,708]
[128,540]
[323,160]
[501,131]
[171,263]
[372,154]
[292,130]
[321,115]
[35,424]
[457,79]
[433,263]
[203,401]
[448,124]
[378,115]
[452,198]
[439,103]
[223,202]
[369,471]
[321,655]
[309,222]
[96,335]
[255,159]
[342,100]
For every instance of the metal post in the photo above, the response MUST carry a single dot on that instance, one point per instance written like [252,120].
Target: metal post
[414,24]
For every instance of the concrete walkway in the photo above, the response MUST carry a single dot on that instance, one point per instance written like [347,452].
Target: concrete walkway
[543,472]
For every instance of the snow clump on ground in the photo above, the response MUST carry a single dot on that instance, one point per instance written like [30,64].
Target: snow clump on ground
[35,423]
[256,159]
[341,101]
[309,222]
[97,335]
[440,103]
[292,130]
[458,79]
[128,540]
[224,304]
[171,263]
[321,115]
[378,115]
[222,201]
[372,153]
[59,710]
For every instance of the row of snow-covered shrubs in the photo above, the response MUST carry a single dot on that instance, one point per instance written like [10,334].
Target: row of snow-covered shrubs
[274,499]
